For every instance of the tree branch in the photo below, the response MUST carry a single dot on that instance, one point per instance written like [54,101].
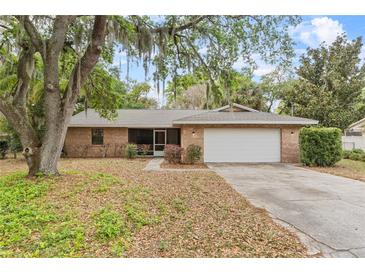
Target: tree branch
[33,34]
[18,119]
[24,74]
[60,27]
[4,26]
[188,25]
[84,67]
[199,56]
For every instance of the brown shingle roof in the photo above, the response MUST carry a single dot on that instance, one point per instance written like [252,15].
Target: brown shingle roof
[146,118]
[215,117]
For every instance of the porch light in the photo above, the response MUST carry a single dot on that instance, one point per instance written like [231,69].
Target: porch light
[193,132]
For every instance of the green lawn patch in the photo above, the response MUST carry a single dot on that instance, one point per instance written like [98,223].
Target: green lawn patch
[346,168]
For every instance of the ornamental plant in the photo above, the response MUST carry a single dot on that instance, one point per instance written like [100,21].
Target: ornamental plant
[320,146]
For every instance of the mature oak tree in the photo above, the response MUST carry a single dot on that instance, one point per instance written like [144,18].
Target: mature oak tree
[330,84]
[70,47]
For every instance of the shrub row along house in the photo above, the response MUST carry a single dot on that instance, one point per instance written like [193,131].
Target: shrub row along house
[233,133]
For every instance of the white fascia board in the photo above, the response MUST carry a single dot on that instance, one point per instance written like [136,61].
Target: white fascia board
[245,122]
[121,126]
[356,123]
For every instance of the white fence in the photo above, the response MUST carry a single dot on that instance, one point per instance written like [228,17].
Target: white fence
[351,142]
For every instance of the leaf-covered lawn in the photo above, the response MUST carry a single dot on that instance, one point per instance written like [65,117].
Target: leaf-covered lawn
[112,208]
[346,168]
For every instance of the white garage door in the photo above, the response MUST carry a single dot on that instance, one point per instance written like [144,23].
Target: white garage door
[245,145]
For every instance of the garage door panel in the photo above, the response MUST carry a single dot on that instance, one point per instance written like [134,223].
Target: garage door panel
[241,145]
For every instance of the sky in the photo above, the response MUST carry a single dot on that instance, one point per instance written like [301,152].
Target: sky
[309,33]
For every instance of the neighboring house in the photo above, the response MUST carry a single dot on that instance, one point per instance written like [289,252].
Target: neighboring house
[353,136]
[229,134]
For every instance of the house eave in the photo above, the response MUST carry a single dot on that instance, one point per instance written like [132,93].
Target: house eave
[122,126]
[245,122]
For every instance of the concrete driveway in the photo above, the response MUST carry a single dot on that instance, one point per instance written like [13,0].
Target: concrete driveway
[327,212]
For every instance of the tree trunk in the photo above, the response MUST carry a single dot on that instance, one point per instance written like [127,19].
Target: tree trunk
[53,144]
[32,156]
[43,155]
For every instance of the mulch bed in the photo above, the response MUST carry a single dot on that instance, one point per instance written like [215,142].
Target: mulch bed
[183,166]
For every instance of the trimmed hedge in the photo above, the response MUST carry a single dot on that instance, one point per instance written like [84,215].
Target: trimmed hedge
[320,146]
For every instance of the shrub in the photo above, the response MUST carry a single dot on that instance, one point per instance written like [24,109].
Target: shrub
[130,151]
[355,154]
[144,149]
[172,154]
[346,154]
[320,146]
[4,147]
[193,153]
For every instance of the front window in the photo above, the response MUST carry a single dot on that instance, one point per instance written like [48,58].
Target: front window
[97,136]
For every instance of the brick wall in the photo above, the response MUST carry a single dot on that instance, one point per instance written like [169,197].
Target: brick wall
[290,145]
[78,143]
[192,135]
[289,138]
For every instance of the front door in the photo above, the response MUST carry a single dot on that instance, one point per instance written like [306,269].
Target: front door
[159,142]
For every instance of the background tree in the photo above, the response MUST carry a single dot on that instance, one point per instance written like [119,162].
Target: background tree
[329,85]
[70,48]
[11,138]
[273,85]
[136,96]
[192,91]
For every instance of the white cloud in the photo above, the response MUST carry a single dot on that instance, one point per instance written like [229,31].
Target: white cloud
[327,29]
[262,67]
[317,30]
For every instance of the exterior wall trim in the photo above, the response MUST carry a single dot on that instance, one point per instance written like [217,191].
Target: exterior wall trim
[242,123]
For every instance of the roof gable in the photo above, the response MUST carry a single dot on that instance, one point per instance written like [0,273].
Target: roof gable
[358,124]
[235,108]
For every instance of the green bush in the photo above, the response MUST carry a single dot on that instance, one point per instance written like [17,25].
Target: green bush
[320,146]
[4,147]
[355,154]
[346,154]
[193,153]
[172,154]
[130,151]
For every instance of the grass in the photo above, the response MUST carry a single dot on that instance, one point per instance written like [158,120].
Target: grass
[346,168]
[112,208]
[108,224]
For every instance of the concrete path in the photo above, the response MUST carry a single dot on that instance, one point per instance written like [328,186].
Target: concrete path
[154,164]
[327,212]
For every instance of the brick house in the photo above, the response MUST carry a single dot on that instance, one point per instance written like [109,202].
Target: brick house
[232,133]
